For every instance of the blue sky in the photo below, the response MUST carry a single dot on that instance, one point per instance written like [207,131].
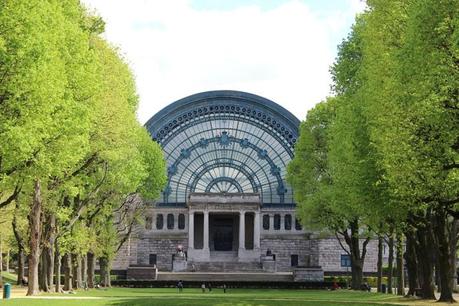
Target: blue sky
[278,49]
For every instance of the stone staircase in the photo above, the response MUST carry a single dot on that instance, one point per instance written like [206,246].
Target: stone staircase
[219,276]
[224,266]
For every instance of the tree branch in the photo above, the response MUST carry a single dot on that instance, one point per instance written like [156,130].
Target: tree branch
[12,197]
[340,243]
[364,247]
[82,204]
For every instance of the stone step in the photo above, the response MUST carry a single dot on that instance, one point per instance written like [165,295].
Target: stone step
[224,256]
[209,277]
[224,266]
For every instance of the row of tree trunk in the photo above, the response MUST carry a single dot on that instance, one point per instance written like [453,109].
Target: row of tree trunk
[431,246]
[69,272]
[45,262]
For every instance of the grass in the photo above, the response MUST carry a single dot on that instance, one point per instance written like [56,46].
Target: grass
[191,297]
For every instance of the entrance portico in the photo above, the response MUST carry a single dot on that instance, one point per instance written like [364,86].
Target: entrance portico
[224,222]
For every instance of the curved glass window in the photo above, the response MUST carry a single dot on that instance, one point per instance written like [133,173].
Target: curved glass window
[266,222]
[181,221]
[159,221]
[170,221]
[288,222]
[277,220]
[225,142]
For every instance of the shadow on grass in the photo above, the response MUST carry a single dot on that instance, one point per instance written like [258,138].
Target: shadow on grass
[232,302]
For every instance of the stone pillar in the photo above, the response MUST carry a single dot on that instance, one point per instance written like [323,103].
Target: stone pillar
[256,230]
[191,230]
[282,222]
[206,231]
[271,222]
[241,230]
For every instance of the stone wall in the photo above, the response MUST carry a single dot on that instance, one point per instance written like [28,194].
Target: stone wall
[163,247]
[311,250]
[284,246]
[330,253]
[126,255]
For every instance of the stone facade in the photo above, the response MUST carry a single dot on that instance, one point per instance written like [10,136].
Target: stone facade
[254,232]
[330,252]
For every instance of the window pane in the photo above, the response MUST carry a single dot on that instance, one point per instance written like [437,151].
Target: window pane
[345,261]
[170,221]
[266,222]
[181,221]
[277,222]
[288,222]
[159,221]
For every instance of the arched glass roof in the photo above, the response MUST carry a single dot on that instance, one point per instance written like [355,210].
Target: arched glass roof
[226,141]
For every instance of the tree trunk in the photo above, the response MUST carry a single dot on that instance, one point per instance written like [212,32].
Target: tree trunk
[34,239]
[74,267]
[79,276]
[91,268]
[400,267]
[84,271]
[20,244]
[425,261]
[104,272]
[67,272]
[357,274]
[20,265]
[357,256]
[390,263]
[43,273]
[1,261]
[411,262]
[8,260]
[444,255]
[453,253]
[57,261]
[380,263]
[50,251]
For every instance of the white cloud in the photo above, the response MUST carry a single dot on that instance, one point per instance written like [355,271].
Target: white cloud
[282,54]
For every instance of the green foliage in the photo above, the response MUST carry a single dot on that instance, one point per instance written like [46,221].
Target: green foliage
[68,119]
[309,172]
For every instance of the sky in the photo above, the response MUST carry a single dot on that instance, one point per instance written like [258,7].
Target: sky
[278,49]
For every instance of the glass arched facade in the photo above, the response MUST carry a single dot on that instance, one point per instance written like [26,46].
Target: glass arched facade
[225,142]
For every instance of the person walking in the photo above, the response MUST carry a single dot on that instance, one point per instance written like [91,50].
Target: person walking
[203,288]
[210,287]
[180,286]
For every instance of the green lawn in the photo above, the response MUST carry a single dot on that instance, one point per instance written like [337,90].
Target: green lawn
[238,297]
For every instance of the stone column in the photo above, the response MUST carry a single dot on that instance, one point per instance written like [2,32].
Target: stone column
[241,230]
[191,230]
[206,231]
[271,222]
[256,231]
[282,222]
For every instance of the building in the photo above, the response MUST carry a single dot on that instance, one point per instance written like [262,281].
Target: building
[227,204]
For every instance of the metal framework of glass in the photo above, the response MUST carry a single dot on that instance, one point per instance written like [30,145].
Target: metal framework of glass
[225,142]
